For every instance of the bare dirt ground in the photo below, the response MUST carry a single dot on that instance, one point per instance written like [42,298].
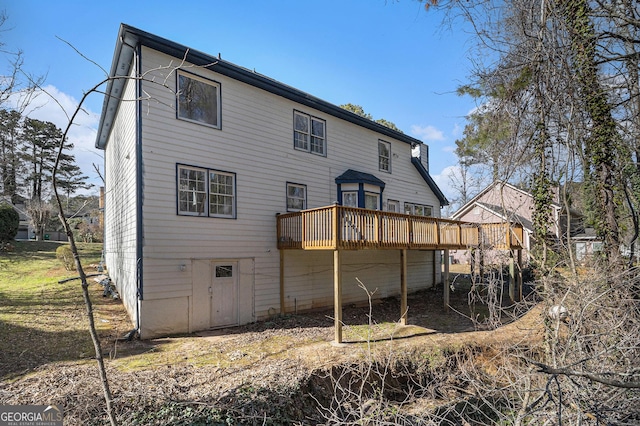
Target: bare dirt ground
[252,366]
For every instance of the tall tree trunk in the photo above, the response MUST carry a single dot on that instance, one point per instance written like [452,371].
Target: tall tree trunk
[600,145]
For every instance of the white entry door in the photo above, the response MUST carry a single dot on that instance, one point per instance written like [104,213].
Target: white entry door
[224,294]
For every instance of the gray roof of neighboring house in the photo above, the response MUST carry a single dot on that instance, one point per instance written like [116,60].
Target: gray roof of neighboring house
[508,215]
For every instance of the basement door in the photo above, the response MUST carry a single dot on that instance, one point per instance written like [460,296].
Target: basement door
[224,294]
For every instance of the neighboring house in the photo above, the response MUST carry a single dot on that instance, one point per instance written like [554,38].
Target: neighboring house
[502,202]
[195,181]
[25,230]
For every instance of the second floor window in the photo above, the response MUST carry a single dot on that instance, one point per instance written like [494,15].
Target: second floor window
[384,156]
[309,134]
[198,99]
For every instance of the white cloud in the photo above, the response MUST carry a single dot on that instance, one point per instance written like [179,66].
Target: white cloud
[427,133]
[443,180]
[457,130]
[50,104]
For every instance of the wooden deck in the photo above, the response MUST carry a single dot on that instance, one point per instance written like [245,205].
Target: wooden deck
[347,228]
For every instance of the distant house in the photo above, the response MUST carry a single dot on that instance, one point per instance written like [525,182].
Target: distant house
[25,231]
[503,202]
[203,156]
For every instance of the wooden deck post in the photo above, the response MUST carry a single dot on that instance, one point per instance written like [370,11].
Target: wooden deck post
[434,275]
[520,275]
[512,278]
[445,280]
[282,309]
[337,296]
[472,260]
[403,287]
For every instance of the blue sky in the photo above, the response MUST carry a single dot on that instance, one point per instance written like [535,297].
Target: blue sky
[391,57]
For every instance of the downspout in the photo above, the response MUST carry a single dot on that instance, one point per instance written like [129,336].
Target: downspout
[139,197]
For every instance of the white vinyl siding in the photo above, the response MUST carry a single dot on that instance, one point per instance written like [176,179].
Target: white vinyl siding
[309,276]
[120,225]
[255,143]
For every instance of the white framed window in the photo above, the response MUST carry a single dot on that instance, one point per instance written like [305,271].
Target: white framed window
[206,192]
[371,201]
[198,99]
[418,209]
[350,198]
[309,133]
[222,194]
[384,156]
[393,206]
[296,197]
[192,191]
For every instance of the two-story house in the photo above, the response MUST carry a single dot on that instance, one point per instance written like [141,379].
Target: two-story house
[502,202]
[201,156]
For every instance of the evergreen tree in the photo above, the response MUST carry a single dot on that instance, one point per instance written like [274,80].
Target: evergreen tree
[10,130]
[39,150]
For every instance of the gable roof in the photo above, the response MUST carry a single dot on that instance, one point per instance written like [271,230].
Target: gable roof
[474,201]
[130,37]
[506,215]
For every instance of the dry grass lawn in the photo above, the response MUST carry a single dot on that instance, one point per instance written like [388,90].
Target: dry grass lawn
[46,353]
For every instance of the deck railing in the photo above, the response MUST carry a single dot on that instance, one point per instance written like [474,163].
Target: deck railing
[338,227]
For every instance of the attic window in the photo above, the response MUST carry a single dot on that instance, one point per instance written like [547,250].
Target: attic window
[198,99]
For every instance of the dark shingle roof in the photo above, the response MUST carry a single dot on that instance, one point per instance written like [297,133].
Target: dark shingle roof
[353,176]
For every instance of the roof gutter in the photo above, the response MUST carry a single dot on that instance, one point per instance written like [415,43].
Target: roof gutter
[120,70]
[129,36]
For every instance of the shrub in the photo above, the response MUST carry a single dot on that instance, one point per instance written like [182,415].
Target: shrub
[9,222]
[65,256]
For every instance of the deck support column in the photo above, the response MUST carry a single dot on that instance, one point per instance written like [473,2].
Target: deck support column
[512,278]
[434,275]
[337,295]
[520,275]
[445,280]
[282,309]
[403,287]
